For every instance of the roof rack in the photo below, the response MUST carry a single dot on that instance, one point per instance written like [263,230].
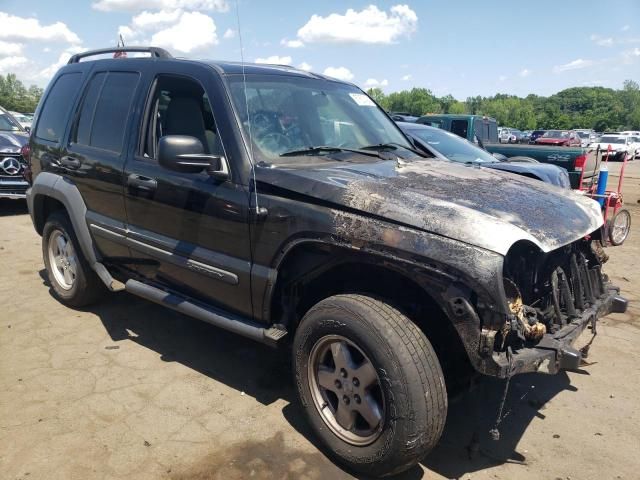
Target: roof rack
[155,52]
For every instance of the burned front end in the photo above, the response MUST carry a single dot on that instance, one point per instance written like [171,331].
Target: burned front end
[550,299]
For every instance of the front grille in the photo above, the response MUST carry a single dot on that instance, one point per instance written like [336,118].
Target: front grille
[559,285]
[7,168]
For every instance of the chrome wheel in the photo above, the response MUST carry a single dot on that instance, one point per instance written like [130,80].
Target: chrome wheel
[619,227]
[346,390]
[62,259]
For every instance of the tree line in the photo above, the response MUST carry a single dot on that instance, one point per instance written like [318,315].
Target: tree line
[603,109]
[16,97]
[580,107]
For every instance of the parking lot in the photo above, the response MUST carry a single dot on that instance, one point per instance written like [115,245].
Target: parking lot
[128,389]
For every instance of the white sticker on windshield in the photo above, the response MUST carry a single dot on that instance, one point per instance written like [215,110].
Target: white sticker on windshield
[362,100]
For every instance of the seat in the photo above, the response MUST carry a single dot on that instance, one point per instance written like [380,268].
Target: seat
[184,117]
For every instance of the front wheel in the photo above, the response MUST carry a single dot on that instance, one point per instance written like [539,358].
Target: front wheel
[619,227]
[370,384]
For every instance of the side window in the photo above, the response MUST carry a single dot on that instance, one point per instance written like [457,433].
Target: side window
[83,127]
[179,106]
[105,110]
[460,128]
[53,118]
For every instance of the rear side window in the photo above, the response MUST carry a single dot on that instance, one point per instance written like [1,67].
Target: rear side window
[460,128]
[53,118]
[105,110]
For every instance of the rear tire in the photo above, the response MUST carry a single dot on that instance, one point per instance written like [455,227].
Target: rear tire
[349,336]
[72,280]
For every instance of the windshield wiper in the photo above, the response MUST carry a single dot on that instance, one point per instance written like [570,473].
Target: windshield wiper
[393,146]
[326,148]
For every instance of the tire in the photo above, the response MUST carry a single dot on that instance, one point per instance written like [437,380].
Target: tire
[409,389]
[79,286]
[618,227]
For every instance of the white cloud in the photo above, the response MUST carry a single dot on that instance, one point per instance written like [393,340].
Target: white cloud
[370,25]
[193,31]
[22,29]
[292,43]
[573,65]
[229,33]
[407,77]
[48,72]
[525,72]
[625,28]
[276,60]
[8,49]
[8,64]
[154,20]
[305,66]
[602,41]
[137,5]
[341,73]
[373,82]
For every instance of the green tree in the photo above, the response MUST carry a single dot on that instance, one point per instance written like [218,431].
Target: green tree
[14,95]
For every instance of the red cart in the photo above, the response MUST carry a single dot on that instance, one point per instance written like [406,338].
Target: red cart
[617,220]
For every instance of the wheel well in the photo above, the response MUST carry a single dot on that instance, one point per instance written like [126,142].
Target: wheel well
[43,206]
[312,272]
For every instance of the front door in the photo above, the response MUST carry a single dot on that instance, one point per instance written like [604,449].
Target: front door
[187,231]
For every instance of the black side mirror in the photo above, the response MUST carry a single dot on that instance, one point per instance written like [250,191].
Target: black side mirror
[182,153]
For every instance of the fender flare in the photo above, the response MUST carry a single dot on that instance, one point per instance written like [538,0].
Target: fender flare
[48,184]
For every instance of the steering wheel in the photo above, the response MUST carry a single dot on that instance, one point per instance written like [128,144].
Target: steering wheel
[261,121]
[275,142]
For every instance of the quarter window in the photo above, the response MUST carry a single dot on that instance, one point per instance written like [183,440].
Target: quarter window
[53,118]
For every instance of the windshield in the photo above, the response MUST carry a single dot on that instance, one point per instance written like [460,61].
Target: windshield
[8,124]
[451,146]
[611,140]
[285,113]
[556,134]
[583,134]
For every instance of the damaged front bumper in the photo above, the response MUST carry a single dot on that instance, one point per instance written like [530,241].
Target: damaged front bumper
[555,351]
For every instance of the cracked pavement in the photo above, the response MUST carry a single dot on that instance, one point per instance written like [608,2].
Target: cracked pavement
[130,390]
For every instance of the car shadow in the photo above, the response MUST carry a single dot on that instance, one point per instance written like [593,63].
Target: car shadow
[265,374]
[10,207]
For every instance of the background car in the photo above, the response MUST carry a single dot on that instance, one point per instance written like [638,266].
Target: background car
[12,164]
[510,135]
[23,120]
[564,138]
[448,146]
[587,136]
[402,117]
[535,135]
[619,144]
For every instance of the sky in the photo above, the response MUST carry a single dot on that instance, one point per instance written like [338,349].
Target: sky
[463,48]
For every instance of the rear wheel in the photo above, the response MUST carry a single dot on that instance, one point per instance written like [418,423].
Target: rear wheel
[370,384]
[72,280]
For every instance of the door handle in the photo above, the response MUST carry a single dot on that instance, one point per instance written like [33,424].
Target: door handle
[141,182]
[70,162]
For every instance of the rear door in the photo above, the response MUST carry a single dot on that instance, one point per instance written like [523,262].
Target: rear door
[188,231]
[94,155]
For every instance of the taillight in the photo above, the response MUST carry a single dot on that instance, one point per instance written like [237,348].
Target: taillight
[25,151]
[581,160]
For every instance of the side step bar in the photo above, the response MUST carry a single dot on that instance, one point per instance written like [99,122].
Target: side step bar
[233,323]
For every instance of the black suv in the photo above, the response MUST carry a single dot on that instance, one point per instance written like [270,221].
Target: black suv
[278,203]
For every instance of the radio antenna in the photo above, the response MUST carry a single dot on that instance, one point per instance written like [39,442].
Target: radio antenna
[246,102]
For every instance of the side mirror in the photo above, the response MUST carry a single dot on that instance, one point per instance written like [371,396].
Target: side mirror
[182,153]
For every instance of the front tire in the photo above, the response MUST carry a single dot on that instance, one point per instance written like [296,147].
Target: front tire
[370,384]
[72,280]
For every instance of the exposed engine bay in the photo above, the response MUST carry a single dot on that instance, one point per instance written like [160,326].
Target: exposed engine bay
[546,292]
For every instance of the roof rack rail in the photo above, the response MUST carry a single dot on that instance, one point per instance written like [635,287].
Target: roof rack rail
[155,52]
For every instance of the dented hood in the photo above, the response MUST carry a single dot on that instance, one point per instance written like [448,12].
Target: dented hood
[482,207]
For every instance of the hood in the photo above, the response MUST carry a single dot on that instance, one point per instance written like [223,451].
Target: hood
[605,146]
[12,142]
[479,206]
[547,173]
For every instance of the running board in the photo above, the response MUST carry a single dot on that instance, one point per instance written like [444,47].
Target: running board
[233,323]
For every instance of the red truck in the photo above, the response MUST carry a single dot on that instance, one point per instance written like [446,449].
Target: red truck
[560,138]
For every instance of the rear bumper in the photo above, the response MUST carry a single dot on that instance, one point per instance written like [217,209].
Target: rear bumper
[555,352]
